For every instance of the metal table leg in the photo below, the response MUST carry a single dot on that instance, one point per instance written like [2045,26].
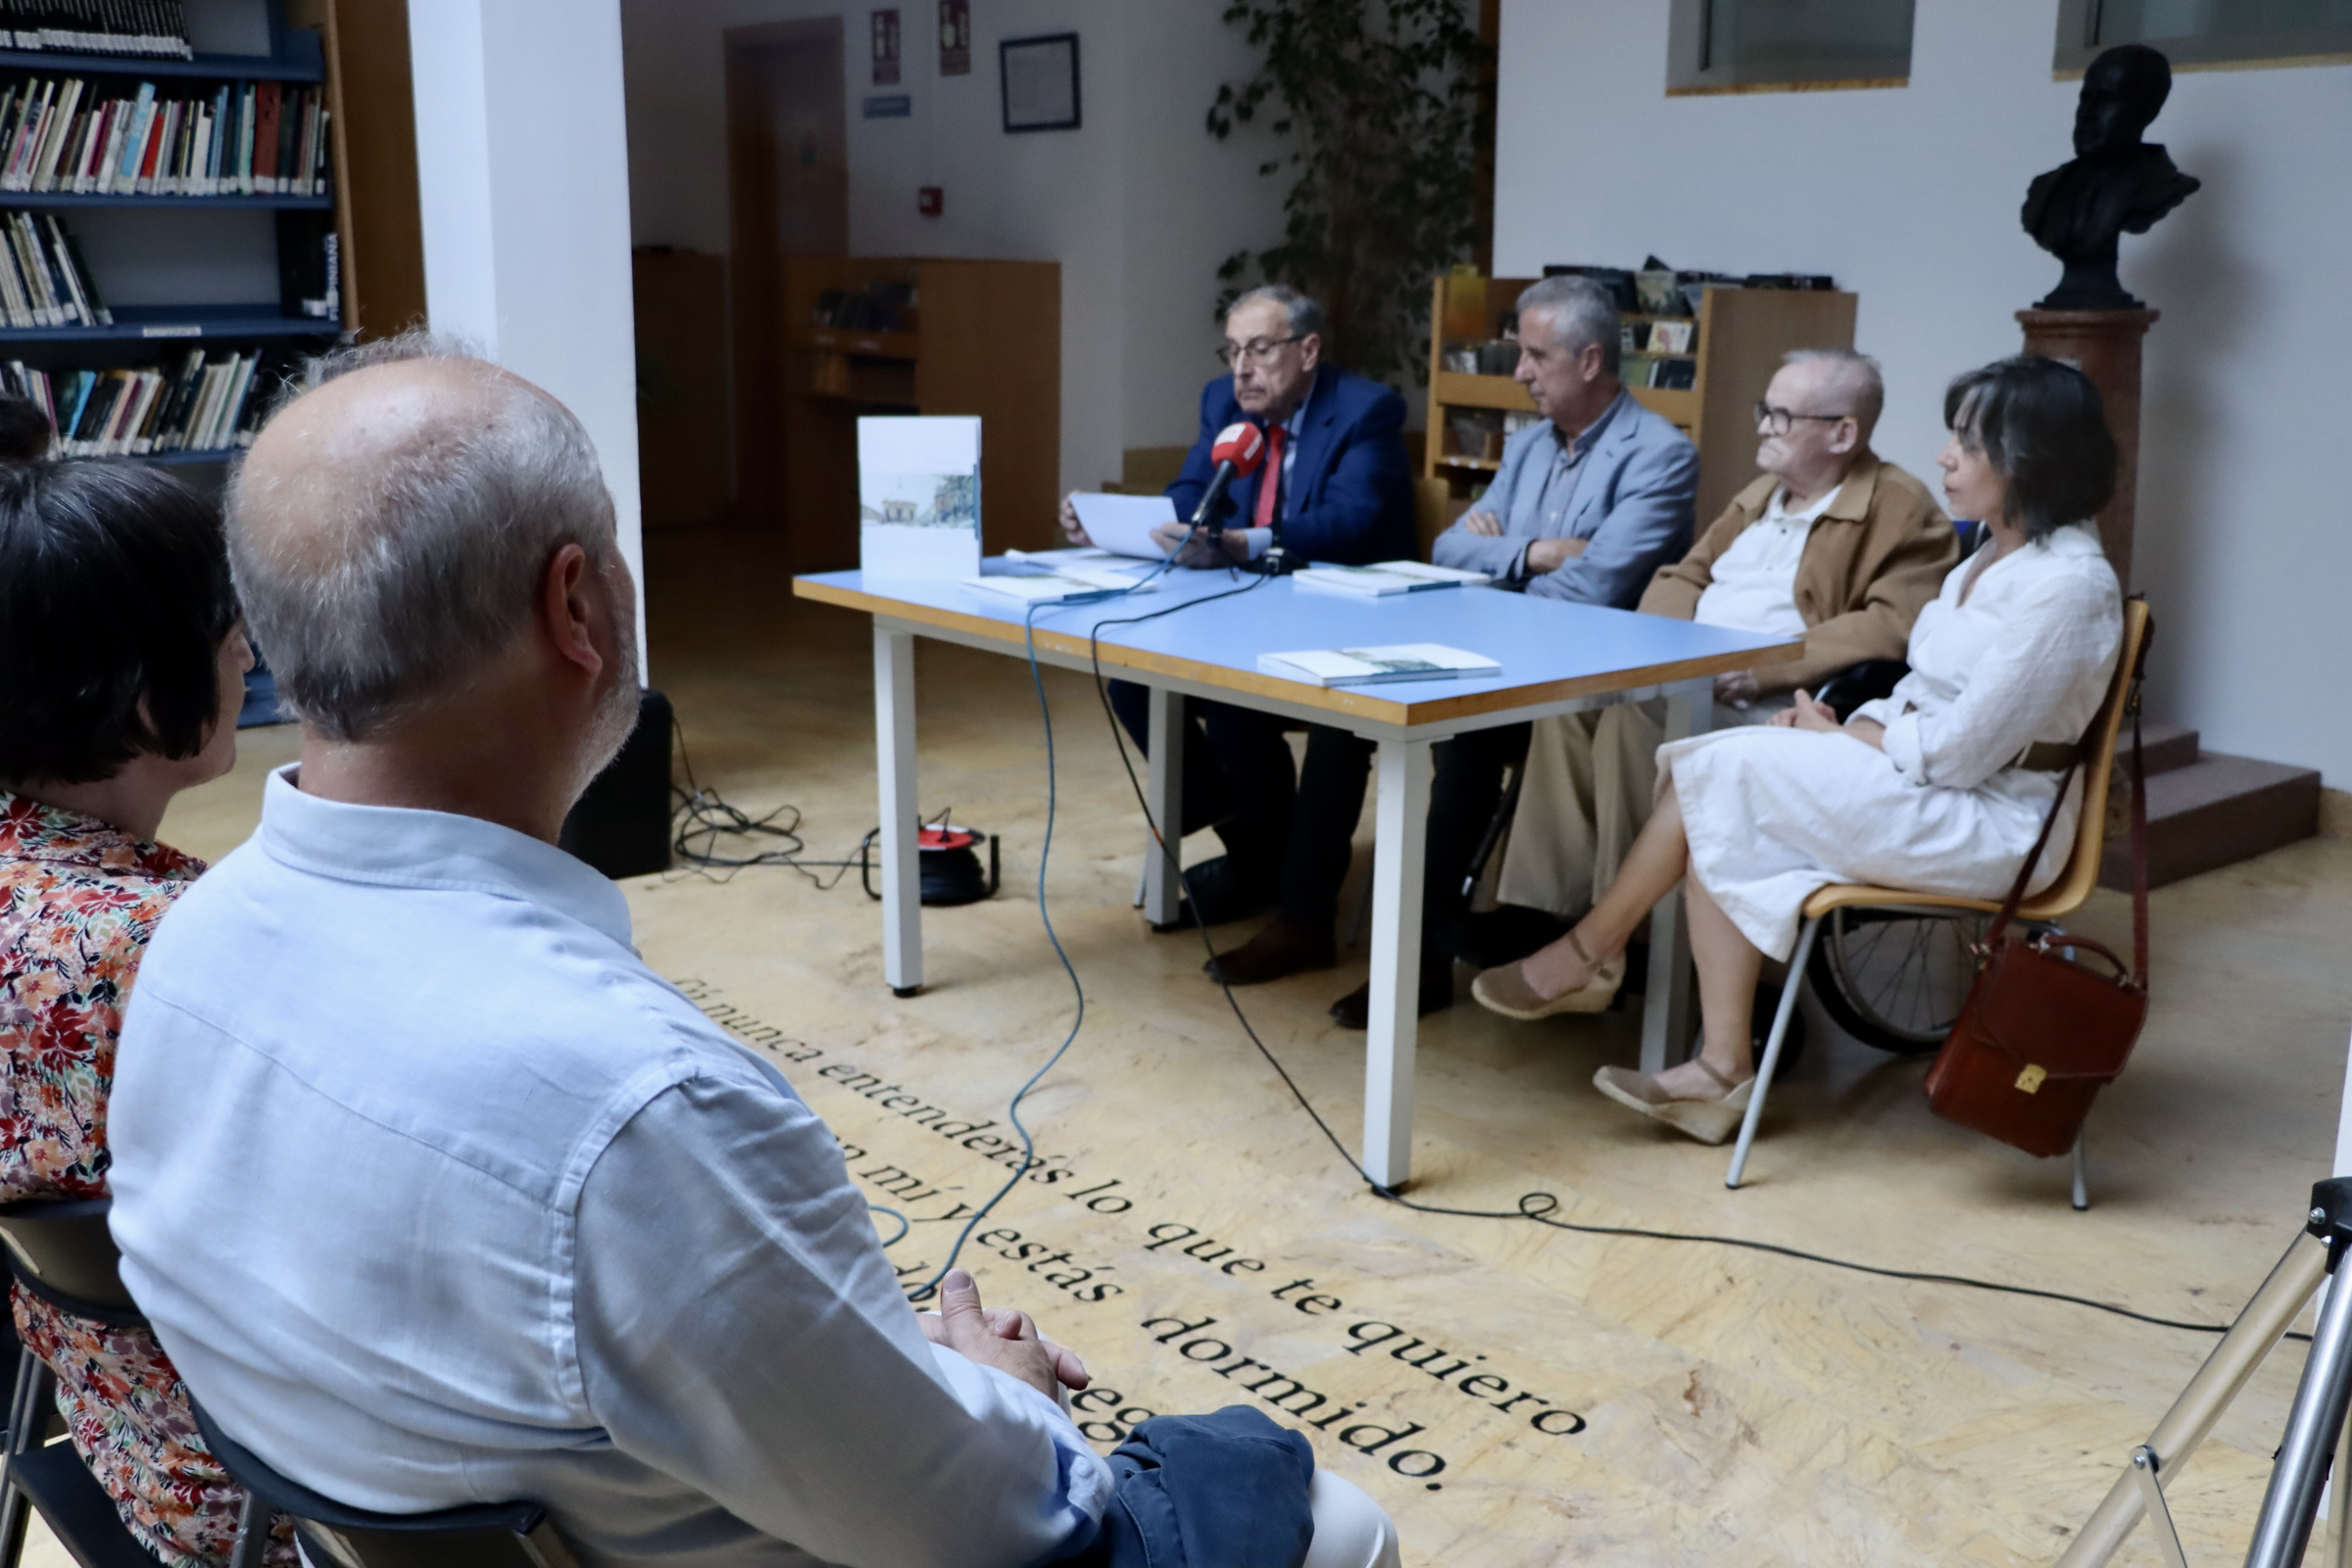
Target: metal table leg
[1401,818]
[894,763]
[1666,1008]
[1164,792]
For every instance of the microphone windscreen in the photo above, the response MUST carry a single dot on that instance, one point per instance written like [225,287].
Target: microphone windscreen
[1242,445]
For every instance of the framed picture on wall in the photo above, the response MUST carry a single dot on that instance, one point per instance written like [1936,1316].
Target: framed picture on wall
[1039,82]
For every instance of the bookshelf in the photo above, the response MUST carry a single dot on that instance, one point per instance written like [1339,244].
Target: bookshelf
[1738,337]
[930,336]
[221,248]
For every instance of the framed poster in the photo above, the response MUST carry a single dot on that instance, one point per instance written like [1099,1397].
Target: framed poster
[955,37]
[1039,82]
[886,48]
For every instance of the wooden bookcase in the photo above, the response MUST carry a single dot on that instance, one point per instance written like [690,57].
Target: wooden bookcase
[979,339]
[1742,335]
[201,272]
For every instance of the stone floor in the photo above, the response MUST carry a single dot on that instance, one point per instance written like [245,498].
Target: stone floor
[1514,1395]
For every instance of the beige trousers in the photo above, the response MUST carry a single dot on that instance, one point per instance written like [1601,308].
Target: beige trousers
[1590,778]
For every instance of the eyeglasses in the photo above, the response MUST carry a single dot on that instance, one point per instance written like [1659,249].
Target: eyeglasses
[1777,422]
[1259,351]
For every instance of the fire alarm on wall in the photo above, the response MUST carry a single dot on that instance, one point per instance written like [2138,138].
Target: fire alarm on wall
[929,200]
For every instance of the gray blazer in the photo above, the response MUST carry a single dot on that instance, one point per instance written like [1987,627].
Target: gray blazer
[1634,506]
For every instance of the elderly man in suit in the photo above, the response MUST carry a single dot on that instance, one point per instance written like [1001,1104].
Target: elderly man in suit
[1334,487]
[1585,507]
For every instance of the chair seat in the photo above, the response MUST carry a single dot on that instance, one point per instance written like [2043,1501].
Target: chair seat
[76,1509]
[2053,904]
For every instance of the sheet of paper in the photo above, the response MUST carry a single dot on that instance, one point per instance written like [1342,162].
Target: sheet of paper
[918,495]
[1123,525]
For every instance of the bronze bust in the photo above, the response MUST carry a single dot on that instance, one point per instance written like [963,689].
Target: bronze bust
[2116,183]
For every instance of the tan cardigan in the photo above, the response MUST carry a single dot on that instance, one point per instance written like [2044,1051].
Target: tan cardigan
[1876,556]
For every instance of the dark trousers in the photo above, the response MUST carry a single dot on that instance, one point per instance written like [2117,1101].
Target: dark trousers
[1208,1491]
[1463,797]
[1238,774]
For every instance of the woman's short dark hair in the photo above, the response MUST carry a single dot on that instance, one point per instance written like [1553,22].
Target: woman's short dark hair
[25,434]
[114,592]
[2043,429]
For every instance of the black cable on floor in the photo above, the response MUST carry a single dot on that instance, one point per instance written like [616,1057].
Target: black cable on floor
[701,819]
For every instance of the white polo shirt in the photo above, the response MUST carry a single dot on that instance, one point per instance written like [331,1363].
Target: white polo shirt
[1754,580]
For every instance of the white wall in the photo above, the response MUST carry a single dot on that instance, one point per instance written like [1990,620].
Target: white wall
[1138,205]
[523,175]
[1910,196]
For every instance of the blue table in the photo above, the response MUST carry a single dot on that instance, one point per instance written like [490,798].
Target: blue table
[1555,658]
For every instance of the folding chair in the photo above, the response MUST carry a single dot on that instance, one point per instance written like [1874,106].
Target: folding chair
[496,1535]
[2062,898]
[61,1252]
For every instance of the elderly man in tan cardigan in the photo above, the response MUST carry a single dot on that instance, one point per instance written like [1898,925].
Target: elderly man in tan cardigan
[1832,542]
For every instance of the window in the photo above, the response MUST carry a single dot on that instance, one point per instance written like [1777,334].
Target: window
[2206,33]
[1739,45]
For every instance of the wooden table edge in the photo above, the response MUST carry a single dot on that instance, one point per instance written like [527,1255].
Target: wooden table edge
[1357,703]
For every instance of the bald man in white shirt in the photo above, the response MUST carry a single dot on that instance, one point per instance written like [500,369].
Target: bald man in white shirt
[1832,544]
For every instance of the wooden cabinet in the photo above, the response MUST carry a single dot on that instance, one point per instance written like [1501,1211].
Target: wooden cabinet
[1740,337]
[973,338]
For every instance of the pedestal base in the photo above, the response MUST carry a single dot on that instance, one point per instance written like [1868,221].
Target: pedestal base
[2103,345]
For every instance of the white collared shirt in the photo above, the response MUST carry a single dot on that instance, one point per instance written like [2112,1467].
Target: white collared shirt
[437,1194]
[1753,582]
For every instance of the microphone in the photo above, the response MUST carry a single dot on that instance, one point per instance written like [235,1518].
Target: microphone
[1240,448]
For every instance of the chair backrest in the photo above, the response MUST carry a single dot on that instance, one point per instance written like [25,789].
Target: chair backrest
[501,1534]
[62,1250]
[1434,510]
[2072,888]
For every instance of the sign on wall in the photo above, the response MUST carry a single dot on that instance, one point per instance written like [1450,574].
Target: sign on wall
[955,37]
[886,48]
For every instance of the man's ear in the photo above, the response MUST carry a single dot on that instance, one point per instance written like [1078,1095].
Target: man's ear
[567,605]
[1311,352]
[1591,362]
[1845,438]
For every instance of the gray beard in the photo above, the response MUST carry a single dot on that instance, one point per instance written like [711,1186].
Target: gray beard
[616,710]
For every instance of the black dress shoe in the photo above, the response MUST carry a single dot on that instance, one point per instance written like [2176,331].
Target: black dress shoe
[1280,950]
[1222,893]
[1354,1009]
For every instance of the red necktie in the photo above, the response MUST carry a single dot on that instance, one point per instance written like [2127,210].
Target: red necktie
[1269,482]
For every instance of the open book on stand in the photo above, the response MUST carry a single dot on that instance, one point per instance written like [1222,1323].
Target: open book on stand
[1377,667]
[1386,579]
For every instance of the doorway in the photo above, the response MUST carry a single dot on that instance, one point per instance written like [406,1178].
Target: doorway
[787,179]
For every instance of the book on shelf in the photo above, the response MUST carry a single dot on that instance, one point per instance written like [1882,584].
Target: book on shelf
[207,403]
[310,264]
[156,28]
[43,281]
[1387,578]
[244,138]
[1377,667]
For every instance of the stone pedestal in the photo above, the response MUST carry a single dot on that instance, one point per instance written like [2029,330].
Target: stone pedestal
[2103,345]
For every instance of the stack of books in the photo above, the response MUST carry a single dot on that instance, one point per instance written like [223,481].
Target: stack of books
[43,279]
[157,29]
[1377,667]
[208,404]
[246,138]
[1387,580]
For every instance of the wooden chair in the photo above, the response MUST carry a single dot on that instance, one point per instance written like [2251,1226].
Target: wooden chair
[2062,898]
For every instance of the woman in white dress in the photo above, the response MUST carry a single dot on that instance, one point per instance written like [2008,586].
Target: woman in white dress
[1941,786]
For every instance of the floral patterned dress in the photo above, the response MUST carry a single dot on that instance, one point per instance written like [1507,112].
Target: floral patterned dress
[78,901]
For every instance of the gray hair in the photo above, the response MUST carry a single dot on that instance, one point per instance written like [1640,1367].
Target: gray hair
[1854,374]
[1582,313]
[420,562]
[1304,313]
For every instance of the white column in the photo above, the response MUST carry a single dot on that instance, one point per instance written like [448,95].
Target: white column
[523,172]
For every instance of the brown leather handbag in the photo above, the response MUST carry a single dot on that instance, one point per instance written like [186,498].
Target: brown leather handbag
[2044,1027]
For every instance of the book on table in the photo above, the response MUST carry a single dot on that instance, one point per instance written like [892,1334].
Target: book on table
[1386,577]
[1066,582]
[1377,667]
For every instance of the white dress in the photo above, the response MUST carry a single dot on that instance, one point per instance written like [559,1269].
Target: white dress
[1775,813]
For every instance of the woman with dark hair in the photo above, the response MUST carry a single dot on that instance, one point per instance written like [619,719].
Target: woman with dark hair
[1940,787]
[125,664]
[25,434]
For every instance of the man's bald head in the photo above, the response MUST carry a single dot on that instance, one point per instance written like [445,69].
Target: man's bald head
[1849,380]
[390,525]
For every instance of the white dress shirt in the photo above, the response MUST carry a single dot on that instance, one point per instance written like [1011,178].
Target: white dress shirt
[437,1194]
[1752,584]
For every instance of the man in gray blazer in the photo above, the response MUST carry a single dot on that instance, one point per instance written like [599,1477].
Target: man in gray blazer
[1585,507]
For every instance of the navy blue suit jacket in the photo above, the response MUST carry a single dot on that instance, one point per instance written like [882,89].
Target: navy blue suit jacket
[1351,500]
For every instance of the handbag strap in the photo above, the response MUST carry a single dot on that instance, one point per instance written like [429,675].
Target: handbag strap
[2139,826]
